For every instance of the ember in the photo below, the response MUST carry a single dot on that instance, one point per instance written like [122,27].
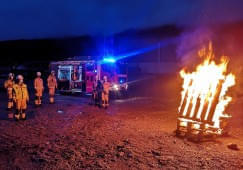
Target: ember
[203,98]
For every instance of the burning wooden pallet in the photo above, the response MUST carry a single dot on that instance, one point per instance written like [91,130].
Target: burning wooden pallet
[204,99]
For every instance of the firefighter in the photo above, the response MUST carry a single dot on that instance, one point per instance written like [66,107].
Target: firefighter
[94,99]
[94,93]
[8,85]
[39,88]
[99,90]
[21,97]
[52,85]
[105,93]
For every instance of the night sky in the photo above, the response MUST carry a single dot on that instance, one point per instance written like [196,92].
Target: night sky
[38,19]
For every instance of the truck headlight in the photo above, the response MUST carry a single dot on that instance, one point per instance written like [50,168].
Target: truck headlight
[126,86]
[115,87]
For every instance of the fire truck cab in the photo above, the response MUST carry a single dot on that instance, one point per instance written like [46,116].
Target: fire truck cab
[117,76]
[77,76]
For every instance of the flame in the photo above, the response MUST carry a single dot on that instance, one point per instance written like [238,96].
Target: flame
[203,97]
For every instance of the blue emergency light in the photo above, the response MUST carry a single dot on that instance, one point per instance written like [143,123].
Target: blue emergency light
[109,60]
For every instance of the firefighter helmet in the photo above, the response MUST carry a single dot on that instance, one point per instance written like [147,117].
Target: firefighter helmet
[20,77]
[38,73]
[10,75]
[105,78]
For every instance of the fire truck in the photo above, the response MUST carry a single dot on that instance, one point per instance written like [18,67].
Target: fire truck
[77,74]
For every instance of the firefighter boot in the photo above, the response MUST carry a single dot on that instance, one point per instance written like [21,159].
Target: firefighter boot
[10,104]
[106,104]
[40,101]
[36,101]
[103,103]
[10,109]
[106,100]
[23,115]
[51,99]
[10,114]
[17,115]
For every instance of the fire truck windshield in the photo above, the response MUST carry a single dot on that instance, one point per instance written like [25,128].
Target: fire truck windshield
[90,67]
[64,74]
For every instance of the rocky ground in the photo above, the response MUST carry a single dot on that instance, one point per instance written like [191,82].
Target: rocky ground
[134,133]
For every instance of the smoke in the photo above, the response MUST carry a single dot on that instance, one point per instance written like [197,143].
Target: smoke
[190,43]
[226,41]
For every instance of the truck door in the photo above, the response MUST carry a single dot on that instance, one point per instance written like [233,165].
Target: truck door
[64,77]
[90,76]
[89,82]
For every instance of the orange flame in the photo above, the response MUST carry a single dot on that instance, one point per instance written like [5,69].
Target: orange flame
[204,91]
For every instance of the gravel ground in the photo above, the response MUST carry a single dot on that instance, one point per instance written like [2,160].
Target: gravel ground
[134,133]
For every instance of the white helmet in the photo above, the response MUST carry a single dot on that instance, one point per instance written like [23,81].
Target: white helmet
[38,73]
[10,75]
[105,78]
[20,77]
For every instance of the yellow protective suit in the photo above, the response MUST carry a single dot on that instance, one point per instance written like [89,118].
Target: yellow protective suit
[105,94]
[21,97]
[8,85]
[52,85]
[39,88]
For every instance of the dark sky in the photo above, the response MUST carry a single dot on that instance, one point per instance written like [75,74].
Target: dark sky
[30,19]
